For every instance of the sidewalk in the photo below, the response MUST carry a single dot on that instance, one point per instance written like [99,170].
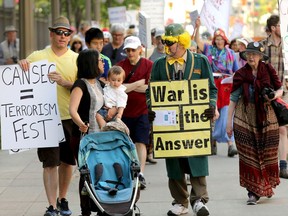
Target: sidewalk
[22,191]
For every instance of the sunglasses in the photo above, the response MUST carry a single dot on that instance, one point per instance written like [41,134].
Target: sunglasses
[167,42]
[61,32]
[77,42]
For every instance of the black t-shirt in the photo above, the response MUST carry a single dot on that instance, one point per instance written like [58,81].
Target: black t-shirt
[84,106]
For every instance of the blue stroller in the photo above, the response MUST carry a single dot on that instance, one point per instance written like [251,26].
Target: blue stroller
[109,164]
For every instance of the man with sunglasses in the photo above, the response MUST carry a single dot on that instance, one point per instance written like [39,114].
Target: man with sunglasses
[135,116]
[181,64]
[58,160]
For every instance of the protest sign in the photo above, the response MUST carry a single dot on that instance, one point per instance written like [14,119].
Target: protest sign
[180,127]
[117,14]
[29,109]
[211,12]
[144,29]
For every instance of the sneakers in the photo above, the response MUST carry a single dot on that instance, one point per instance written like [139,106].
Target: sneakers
[232,151]
[63,208]
[200,209]
[177,209]
[283,173]
[51,211]
[142,182]
[252,200]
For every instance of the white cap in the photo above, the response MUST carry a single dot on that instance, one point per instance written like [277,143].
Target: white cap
[132,42]
[245,41]
[107,34]
[159,32]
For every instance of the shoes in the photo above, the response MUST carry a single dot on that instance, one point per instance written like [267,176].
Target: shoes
[150,159]
[177,209]
[51,211]
[283,173]
[252,200]
[142,182]
[200,209]
[232,151]
[63,208]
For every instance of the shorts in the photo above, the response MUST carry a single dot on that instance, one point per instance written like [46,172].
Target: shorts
[103,112]
[53,156]
[139,128]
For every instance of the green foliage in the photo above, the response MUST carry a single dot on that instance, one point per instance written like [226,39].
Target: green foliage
[75,9]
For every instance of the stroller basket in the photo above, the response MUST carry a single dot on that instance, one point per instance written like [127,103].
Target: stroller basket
[108,161]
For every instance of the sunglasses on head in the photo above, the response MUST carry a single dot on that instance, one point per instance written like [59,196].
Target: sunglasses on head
[167,42]
[61,32]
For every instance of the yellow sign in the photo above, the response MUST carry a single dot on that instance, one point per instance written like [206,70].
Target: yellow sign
[182,144]
[180,128]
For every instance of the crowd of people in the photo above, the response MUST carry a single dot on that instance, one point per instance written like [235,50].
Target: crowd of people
[102,76]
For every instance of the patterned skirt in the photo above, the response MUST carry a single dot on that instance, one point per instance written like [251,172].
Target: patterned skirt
[257,148]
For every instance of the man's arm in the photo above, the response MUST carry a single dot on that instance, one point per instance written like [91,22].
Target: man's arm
[135,86]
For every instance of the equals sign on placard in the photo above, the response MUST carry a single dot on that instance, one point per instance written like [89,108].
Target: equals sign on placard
[28,93]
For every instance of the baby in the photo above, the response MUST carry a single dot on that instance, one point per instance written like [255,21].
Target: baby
[114,95]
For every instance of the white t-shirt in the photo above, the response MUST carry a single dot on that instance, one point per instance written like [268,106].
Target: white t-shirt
[115,96]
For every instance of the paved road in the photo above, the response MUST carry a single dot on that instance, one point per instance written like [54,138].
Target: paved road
[22,192]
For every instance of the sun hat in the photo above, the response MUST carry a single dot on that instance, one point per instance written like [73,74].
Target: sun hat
[255,47]
[220,32]
[10,28]
[132,42]
[243,40]
[61,22]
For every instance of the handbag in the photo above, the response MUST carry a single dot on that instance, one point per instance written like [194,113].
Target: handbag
[281,110]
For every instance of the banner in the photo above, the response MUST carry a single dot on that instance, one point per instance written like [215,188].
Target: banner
[144,29]
[215,14]
[180,128]
[29,109]
[155,10]
[117,14]
[283,11]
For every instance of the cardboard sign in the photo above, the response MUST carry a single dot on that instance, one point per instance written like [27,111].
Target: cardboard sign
[29,111]
[180,128]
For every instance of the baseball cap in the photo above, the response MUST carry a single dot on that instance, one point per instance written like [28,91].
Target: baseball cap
[159,32]
[245,41]
[132,42]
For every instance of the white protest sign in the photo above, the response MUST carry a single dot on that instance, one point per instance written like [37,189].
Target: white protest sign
[155,10]
[215,14]
[283,11]
[117,14]
[29,109]
[144,29]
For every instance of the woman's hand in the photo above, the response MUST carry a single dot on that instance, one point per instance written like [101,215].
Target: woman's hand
[229,129]
[111,113]
[84,128]
[197,22]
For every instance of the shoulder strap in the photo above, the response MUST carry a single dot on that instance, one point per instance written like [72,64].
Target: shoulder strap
[132,71]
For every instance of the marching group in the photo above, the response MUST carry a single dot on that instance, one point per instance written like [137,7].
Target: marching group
[98,82]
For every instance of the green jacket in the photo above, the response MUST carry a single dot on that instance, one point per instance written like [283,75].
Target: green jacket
[198,165]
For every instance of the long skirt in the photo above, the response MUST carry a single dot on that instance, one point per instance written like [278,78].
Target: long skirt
[257,149]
